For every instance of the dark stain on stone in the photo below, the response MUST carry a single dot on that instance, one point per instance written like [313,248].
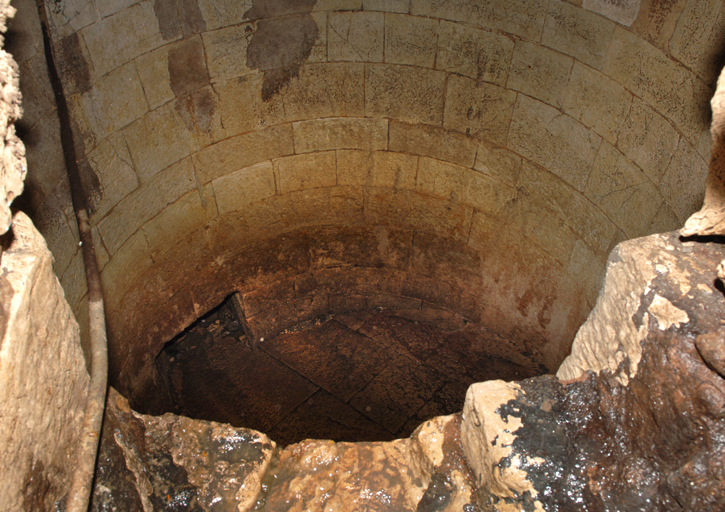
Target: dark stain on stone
[91,185]
[72,65]
[189,80]
[179,18]
[283,41]
[187,67]
[36,488]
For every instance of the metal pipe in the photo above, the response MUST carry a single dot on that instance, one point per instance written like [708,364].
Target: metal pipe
[79,494]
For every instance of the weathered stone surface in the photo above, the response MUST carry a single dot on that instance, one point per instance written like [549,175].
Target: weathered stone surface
[539,72]
[555,141]
[153,71]
[648,140]
[681,184]
[44,383]
[410,40]
[622,191]
[524,19]
[577,33]
[598,102]
[498,162]
[699,33]
[226,52]
[433,142]
[311,170]
[356,36]
[235,190]
[115,40]
[478,54]
[340,133]
[624,12]
[449,181]
[405,93]
[667,86]
[376,168]
[480,110]
[242,151]
[150,462]
[710,220]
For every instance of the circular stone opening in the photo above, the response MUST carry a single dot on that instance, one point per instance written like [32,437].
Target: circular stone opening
[353,375]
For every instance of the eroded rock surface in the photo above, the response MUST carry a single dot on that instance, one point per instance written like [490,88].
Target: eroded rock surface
[175,463]
[43,379]
[647,431]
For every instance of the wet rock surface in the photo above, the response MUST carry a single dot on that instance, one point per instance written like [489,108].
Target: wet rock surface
[174,463]
[594,443]
[369,375]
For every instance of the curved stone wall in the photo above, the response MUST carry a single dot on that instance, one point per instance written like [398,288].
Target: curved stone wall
[510,145]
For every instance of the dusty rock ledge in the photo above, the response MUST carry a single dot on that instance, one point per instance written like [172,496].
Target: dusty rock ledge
[647,432]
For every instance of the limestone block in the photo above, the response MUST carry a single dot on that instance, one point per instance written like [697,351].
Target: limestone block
[624,12]
[405,93]
[539,72]
[73,281]
[44,155]
[519,17]
[577,33]
[623,191]
[44,382]
[340,133]
[656,21]
[480,110]
[226,51]
[114,101]
[587,268]
[153,70]
[75,15]
[311,170]
[237,189]
[555,141]
[498,162]
[376,169]
[588,221]
[145,203]
[596,101]
[242,151]
[319,49]
[620,321]
[120,38]
[113,168]
[460,184]
[338,5]
[699,37]
[665,220]
[159,139]
[410,40]
[387,5]
[478,54]
[320,90]
[411,210]
[219,465]
[188,213]
[240,103]
[305,208]
[113,6]
[667,86]
[223,13]
[683,183]
[648,139]
[127,264]
[433,142]
[355,36]
[53,223]
[38,99]
[487,436]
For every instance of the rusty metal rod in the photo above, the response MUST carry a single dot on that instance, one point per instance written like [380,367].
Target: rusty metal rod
[79,494]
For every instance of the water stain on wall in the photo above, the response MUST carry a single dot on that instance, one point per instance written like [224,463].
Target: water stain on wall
[283,41]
